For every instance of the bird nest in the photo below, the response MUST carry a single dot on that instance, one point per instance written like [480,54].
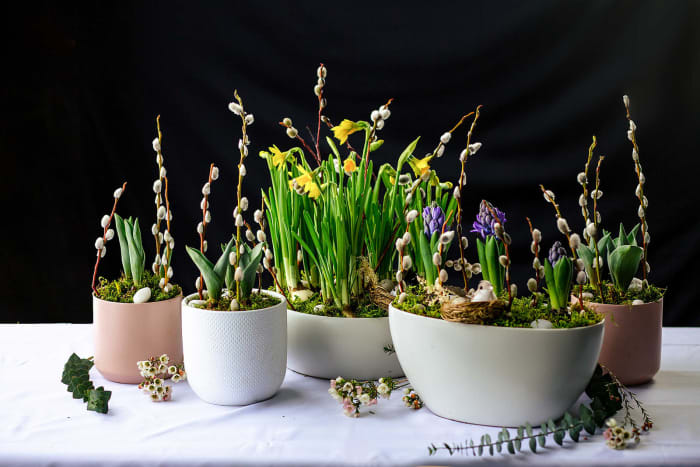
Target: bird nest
[381,297]
[472,312]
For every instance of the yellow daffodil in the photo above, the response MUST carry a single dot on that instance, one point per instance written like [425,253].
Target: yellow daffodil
[278,157]
[313,190]
[305,180]
[346,128]
[349,165]
[420,166]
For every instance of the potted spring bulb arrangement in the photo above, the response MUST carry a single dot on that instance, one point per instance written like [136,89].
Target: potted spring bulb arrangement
[138,314]
[234,335]
[534,355]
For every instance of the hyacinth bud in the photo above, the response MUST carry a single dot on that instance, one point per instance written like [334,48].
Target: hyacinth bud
[463,155]
[532,285]
[266,263]
[232,258]
[563,226]
[406,238]
[443,275]
[200,228]
[118,193]
[581,178]
[591,230]
[257,216]
[244,204]
[407,263]
[411,216]
[99,243]
[163,172]
[235,108]
[446,137]
[399,276]
[206,189]
[161,212]
[503,259]
[640,212]
[239,221]
[474,148]
[205,246]
[549,196]
[447,237]
[465,243]
[514,290]
[103,251]
[260,235]
[207,217]
[581,277]
[104,222]
[536,264]
[399,244]
[582,201]
[404,179]
[596,194]
[437,259]
[374,116]
[292,132]
[157,186]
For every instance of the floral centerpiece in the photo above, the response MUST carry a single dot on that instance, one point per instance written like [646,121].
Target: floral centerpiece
[122,306]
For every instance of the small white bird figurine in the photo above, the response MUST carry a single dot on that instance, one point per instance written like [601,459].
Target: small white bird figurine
[484,293]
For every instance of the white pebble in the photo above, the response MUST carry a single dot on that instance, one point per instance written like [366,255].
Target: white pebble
[541,324]
[142,295]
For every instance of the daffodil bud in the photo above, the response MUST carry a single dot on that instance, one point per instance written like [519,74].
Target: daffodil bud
[104,222]
[242,171]
[109,235]
[157,186]
[99,243]
[200,228]
[239,221]
[249,119]
[562,225]
[581,277]
[411,216]
[532,285]
[118,193]
[443,275]
[503,259]
[549,196]
[235,108]
[292,132]
[437,259]
[575,241]
[244,204]
[407,263]
[445,138]
[214,173]
[406,238]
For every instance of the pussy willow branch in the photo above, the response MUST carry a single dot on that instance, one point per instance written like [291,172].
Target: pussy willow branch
[536,252]
[640,195]
[370,138]
[239,187]
[158,197]
[459,201]
[595,223]
[104,241]
[168,251]
[318,128]
[442,232]
[559,216]
[306,146]
[584,208]
[205,206]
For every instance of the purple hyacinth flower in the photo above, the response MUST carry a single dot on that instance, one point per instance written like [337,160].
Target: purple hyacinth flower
[485,220]
[433,218]
[556,253]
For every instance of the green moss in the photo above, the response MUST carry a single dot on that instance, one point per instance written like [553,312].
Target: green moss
[362,308]
[122,290]
[613,296]
[521,314]
[256,301]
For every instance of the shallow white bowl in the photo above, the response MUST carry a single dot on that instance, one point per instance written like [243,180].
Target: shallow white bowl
[327,347]
[235,357]
[492,375]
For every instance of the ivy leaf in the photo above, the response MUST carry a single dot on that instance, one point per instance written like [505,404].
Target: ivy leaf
[587,419]
[511,449]
[558,436]
[98,399]
[542,439]
[533,445]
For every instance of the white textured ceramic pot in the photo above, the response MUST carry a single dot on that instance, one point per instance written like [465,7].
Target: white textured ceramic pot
[327,347]
[235,357]
[493,375]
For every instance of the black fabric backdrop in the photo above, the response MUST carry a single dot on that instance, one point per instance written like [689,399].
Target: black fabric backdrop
[80,108]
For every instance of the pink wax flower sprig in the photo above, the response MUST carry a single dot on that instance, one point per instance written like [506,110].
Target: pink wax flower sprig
[353,394]
[154,371]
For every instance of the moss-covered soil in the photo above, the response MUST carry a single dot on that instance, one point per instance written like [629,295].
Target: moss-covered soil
[256,301]
[361,308]
[612,296]
[122,290]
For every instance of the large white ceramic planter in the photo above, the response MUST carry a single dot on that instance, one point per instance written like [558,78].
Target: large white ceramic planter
[493,375]
[353,348]
[235,357]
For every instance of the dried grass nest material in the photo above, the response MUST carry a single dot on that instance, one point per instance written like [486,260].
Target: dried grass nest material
[381,297]
[463,311]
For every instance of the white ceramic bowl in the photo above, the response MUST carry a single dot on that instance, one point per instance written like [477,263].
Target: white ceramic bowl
[327,347]
[235,357]
[493,375]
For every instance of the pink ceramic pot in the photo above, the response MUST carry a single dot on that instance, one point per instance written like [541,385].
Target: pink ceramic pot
[632,342]
[124,333]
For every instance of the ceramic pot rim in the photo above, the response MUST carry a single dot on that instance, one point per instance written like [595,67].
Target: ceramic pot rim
[628,306]
[507,329]
[283,302]
[100,300]
[289,310]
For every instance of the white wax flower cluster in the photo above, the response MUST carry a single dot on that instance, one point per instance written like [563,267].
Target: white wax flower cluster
[154,372]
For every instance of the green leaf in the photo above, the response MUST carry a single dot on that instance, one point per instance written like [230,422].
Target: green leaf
[494,267]
[511,449]
[563,274]
[574,432]
[376,145]
[558,436]
[533,445]
[542,440]
[487,438]
[528,429]
[551,425]
[623,263]
[223,264]
[123,245]
[480,448]
[587,419]
[333,147]
[212,280]
[406,154]
[249,262]
[137,258]
[518,443]
[551,285]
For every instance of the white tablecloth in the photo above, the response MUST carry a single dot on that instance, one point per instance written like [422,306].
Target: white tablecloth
[41,424]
